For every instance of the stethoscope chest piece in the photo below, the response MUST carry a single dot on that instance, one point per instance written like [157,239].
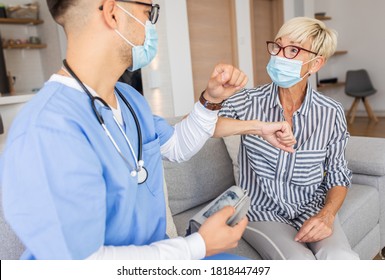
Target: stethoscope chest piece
[142,175]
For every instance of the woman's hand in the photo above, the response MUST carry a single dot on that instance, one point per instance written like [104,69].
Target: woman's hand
[316,228]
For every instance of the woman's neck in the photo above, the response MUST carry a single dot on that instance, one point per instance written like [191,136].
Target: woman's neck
[291,100]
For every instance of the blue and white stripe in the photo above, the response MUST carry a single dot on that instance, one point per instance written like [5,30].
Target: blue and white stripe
[290,187]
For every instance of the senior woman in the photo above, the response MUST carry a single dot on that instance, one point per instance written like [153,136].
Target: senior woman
[295,195]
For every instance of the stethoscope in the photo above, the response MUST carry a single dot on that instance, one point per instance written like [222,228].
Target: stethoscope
[138,169]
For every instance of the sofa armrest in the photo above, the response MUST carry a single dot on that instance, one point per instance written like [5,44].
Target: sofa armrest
[366,155]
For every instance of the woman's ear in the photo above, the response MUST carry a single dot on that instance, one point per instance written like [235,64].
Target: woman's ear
[317,64]
[108,10]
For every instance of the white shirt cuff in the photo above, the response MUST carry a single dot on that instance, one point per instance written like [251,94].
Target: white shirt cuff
[196,245]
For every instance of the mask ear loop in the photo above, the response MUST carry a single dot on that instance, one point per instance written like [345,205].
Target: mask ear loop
[310,60]
[131,15]
[124,38]
[135,18]
[309,72]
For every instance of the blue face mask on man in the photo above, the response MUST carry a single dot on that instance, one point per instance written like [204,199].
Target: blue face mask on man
[286,72]
[142,55]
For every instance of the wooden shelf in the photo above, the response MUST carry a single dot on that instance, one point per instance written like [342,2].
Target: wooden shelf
[340,52]
[20,21]
[331,85]
[323,17]
[26,46]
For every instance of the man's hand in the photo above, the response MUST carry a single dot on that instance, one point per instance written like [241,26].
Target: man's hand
[224,82]
[316,228]
[279,134]
[218,236]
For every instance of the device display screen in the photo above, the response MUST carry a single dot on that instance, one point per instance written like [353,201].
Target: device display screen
[228,198]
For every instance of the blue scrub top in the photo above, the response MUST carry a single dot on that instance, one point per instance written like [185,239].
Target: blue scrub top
[66,190]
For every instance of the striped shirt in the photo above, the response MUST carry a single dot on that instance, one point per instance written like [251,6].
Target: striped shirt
[290,187]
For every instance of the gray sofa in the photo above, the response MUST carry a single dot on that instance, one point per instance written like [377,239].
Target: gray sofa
[192,184]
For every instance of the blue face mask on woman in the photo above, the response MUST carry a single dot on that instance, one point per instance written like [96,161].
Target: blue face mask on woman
[285,72]
[142,55]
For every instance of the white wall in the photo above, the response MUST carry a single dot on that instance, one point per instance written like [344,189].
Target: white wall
[51,56]
[167,82]
[180,56]
[157,79]
[360,27]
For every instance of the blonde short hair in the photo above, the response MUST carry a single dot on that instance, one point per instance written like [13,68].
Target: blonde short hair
[300,29]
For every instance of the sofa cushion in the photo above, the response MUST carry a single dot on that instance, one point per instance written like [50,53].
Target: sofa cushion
[171,228]
[232,145]
[369,245]
[359,213]
[366,155]
[205,176]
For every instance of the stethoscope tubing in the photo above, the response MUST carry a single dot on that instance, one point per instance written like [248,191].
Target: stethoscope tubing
[139,161]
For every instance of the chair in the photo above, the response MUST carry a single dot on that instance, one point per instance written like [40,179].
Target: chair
[359,86]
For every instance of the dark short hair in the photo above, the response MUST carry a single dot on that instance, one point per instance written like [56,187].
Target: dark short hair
[58,8]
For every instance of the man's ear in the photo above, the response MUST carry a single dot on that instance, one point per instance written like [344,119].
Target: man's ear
[108,10]
[317,64]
